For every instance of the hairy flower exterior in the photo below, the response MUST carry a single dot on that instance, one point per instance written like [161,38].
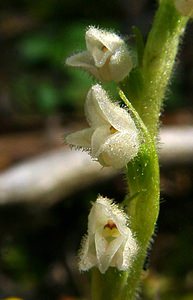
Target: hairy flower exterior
[185,7]
[112,137]
[106,57]
[109,242]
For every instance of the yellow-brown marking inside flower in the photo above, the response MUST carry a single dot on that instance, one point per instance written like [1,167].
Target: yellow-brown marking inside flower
[110,229]
[113,130]
[110,224]
[104,49]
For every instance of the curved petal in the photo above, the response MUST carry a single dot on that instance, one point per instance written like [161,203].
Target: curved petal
[100,55]
[99,137]
[80,138]
[99,102]
[98,216]
[106,260]
[93,112]
[83,60]
[87,258]
[119,118]
[105,73]
[129,251]
[110,54]
[120,219]
[119,149]
[100,245]
[120,64]
[99,37]
[126,253]
[101,248]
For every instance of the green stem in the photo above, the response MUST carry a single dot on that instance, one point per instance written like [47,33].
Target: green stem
[143,203]
[147,84]
[145,88]
[143,177]
[112,285]
[143,209]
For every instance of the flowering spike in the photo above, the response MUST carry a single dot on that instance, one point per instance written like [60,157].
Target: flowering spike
[107,57]
[109,242]
[112,137]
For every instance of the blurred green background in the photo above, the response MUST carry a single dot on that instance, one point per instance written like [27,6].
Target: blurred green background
[38,246]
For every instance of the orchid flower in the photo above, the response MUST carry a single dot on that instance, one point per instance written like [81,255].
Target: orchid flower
[106,57]
[112,137]
[109,242]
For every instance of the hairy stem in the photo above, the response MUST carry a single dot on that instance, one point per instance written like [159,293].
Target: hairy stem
[145,89]
[147,84]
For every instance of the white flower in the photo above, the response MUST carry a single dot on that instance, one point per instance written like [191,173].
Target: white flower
[185,7]
[112,137]
[109,242]
[107,56]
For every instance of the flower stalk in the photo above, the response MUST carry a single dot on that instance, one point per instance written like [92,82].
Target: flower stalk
[142,206]
[118,138]
[147,83]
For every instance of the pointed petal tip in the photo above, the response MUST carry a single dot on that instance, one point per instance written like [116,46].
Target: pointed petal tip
[68,60]
[96,88]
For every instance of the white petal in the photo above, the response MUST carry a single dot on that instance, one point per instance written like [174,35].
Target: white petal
[83,60]
[107,259]
[107,57]
[80,138]
[106,207]
[118,117]
[103,251]
[93,112]
[100,245]
[126,252]
[110,54]
[100,57]
[105,73]
[119,218]
[87,254]
[98,216]
[99,137]
[120,64]
[97,38]
[119,149]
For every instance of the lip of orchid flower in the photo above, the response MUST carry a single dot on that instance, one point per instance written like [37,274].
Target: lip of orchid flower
[107,57]
[109,242]
[112,137]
